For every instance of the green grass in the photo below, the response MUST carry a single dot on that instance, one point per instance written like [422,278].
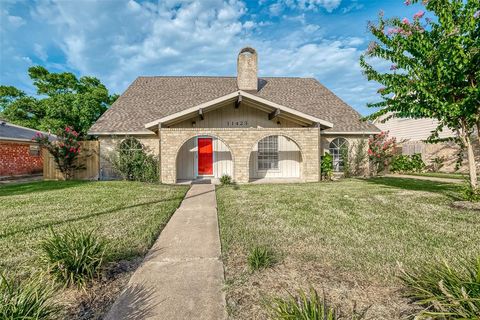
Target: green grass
[345,237]
[128,215]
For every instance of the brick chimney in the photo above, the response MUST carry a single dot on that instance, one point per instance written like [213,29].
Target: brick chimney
[247,69]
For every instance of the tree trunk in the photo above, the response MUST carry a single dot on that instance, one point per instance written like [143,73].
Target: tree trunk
[472,166]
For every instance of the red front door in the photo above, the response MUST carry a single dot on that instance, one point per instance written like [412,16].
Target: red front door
[205,156]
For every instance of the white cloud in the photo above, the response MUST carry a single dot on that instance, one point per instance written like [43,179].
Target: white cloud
[186,37]
[16,21]
[303,5]
[40,52]
[354,5]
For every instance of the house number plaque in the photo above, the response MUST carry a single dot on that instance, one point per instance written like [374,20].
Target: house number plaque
[240,123]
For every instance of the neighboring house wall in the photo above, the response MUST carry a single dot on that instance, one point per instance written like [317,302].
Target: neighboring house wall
[411,129]
[18,158]
[411,134]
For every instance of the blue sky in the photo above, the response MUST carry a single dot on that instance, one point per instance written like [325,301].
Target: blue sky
[118,40]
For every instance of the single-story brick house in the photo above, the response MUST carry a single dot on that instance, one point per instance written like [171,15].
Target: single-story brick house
[248,127]
[19,155]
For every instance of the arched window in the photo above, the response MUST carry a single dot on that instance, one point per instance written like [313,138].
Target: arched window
[268,153]
[337,147]
[130,145]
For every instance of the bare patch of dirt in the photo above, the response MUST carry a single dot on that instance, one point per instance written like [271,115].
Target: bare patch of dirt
[466,205]
[94,301]
[248,293]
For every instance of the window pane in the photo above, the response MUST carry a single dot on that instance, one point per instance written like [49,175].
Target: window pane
[268,153]
[336,147]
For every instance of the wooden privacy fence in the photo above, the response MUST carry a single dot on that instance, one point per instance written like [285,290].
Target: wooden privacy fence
[88,159]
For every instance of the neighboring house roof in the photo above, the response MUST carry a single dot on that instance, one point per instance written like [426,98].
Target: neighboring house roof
[10,131]
[411,129]
[148,99]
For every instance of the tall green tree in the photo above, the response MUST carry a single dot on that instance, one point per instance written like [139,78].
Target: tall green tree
[435,68]
[63,101]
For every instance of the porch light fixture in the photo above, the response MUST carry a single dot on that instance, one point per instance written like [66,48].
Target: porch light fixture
[194,124]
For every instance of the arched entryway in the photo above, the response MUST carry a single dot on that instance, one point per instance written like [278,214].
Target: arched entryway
[203,156]
[275,156]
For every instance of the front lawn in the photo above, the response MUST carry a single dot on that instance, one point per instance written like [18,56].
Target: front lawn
[128,215]
[460,176]
[345,238]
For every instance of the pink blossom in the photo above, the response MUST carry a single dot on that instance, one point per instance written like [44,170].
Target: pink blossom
[405,21]
[407,2]
[67,129]
[419,14]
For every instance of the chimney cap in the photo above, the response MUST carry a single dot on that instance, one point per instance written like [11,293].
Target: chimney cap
[248,50]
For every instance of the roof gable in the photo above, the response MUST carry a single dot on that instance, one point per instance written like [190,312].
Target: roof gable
[233,97]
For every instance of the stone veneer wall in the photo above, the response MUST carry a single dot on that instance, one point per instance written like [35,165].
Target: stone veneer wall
[107,148]
[241,142]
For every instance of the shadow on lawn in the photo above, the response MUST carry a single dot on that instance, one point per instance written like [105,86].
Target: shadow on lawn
[451,190]
[38,186]
[91,215]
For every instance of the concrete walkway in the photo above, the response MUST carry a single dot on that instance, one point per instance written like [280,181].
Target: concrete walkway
[182,275]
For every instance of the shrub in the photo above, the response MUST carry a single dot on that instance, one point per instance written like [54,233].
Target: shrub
[446,291]
[29,299]
[438,163]
[307,306]
[64,150]
[359,157]
[260,258]
[470,194]
[132,162]
[226,179]
[326,167]
[345,155]
[381,149]
[405,163]
[74,257]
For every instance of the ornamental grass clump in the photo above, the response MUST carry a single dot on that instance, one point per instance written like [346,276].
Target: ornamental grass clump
[28,299]
[226,180]
[260,258]
[74,257]
[308,306]
[444,290]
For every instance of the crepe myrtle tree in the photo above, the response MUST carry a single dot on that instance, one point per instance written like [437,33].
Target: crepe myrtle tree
[64,150]
[435,67]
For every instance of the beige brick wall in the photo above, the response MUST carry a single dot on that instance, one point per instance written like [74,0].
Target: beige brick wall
[107,148]
[241,142]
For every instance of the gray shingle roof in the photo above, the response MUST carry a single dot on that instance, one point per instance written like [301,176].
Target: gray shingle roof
[12,131]
[151,98]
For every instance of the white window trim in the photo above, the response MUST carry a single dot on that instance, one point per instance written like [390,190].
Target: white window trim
[277,169]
